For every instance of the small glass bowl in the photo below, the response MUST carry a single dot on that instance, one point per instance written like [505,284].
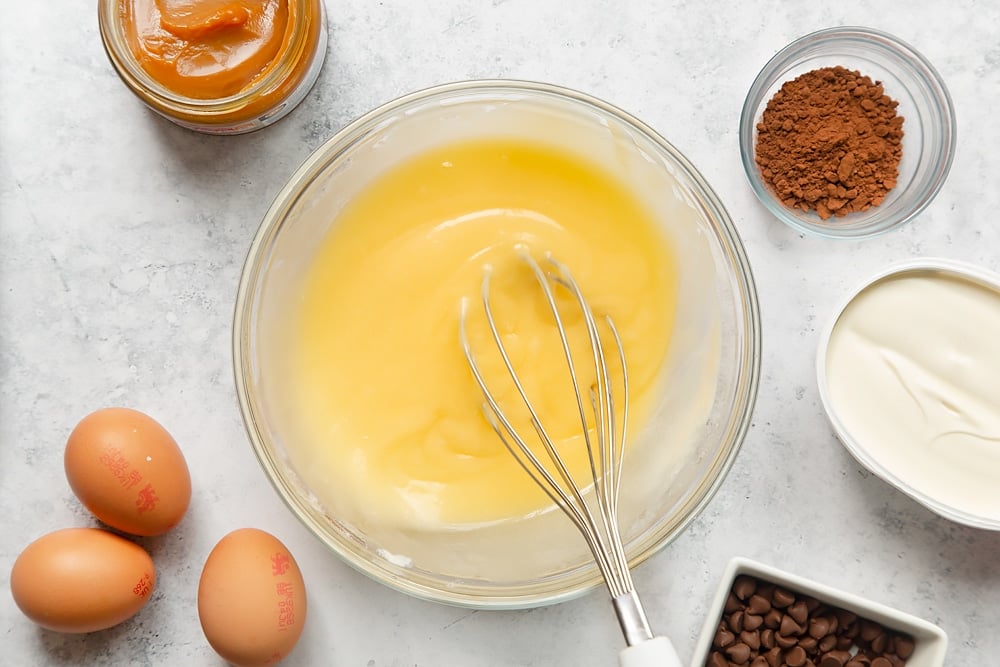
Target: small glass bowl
[930,642]
[908,78]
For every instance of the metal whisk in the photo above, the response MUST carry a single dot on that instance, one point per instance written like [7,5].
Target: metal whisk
[596,518]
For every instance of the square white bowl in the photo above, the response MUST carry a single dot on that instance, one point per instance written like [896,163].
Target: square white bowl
[930,641]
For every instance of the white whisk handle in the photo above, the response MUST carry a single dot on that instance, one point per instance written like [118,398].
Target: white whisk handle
[656,652]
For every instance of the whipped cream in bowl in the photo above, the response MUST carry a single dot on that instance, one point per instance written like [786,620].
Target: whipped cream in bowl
[909,374]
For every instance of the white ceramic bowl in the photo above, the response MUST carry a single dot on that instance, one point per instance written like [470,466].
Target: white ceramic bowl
[898,467]
[930,641]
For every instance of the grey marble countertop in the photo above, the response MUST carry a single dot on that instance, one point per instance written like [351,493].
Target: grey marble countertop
[122,237]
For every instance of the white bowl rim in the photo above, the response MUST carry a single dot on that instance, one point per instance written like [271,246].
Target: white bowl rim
[964,270]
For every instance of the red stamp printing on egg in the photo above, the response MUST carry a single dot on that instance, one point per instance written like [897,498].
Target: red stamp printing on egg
[286,605]
[116,463]
[146,500]
[145,585]
[279,564]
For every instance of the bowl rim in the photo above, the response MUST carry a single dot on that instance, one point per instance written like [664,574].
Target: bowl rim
[786,56]
[964,270]
[748,352]
[929,634]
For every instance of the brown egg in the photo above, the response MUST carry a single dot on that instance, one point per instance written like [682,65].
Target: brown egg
[81,580]
[251,599]
[126,469]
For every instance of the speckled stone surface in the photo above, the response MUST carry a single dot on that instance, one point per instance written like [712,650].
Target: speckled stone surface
[122,237]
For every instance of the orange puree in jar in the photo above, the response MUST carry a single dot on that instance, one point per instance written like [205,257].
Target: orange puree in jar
[216,66]
[206,49]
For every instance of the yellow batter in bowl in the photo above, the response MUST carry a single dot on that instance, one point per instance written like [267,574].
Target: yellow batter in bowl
[388,417]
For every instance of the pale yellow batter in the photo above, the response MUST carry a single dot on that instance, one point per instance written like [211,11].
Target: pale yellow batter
[391,421]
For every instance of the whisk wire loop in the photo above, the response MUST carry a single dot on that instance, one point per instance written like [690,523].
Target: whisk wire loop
[604,434]
[604,445]
[571,503]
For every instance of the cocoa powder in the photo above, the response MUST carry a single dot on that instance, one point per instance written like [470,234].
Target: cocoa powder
[830,141]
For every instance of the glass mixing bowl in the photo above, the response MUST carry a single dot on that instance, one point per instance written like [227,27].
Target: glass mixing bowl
[710,378]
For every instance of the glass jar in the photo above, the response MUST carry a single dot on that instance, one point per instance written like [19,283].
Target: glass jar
[267,98]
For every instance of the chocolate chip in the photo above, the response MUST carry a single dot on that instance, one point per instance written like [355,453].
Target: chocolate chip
[869,630]
[744,587]
[759,661]
[795,657]
[789,627]
[881,662]
[819,627]
[752,622]
[782,598]
[880,643]
[738,652]
[831,660]
[904,647]
[773,619]
[732,603]
[827,643]
[799,612]
[717,660]
[767,638]
[775,657]
[723,638]
[785,642]
[758,605]
[751,639]
[736,621]
[845,617]
[809,644]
